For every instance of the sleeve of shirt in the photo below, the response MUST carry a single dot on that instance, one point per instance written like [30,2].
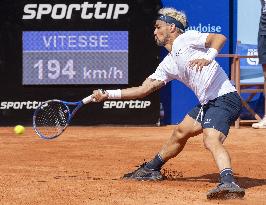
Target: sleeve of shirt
[197,38]
[161,72]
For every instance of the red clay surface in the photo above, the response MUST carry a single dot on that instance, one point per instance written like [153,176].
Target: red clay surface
[84,166]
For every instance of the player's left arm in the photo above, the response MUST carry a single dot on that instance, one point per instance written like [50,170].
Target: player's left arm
[214,43]
[147,87]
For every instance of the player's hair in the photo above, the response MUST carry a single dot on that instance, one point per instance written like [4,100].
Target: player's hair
[172,12]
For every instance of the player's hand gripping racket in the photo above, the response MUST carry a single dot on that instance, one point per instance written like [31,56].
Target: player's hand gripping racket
[52,117]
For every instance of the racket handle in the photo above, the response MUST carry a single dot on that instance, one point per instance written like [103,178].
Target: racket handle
[88,99]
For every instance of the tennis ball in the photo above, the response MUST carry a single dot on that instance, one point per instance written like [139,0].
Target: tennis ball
[19,129]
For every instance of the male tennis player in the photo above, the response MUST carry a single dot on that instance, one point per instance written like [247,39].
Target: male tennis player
[191,59]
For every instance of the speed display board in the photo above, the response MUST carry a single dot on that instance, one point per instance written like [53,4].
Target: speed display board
[65,50]
[75,57]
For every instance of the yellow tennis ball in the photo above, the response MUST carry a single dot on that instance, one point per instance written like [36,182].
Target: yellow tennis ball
[19,129]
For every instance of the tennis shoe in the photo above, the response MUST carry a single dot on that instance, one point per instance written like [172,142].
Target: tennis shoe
[261,124]
[144,174]
[226,191]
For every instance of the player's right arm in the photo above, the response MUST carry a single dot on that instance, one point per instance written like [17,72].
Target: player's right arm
[147,87]
[154,82]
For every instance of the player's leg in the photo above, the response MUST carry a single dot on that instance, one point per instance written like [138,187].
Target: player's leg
[217,120]
[262,123]
[189,127]
[228,187]
[262,61]
[213,140]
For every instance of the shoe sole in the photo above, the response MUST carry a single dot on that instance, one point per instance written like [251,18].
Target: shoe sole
[143,179]
[226,194]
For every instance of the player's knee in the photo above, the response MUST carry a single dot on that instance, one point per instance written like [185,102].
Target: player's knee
[212,138]
[179,135]
[210,142]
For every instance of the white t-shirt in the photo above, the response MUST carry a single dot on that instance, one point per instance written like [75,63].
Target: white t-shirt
[209,83]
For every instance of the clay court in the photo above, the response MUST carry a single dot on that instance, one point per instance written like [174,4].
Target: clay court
[85,165]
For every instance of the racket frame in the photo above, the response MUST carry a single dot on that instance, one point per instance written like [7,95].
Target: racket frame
[78,105]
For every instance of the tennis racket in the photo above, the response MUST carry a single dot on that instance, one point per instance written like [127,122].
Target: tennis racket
[52,117]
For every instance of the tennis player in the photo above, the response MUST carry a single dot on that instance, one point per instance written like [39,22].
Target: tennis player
[191,60]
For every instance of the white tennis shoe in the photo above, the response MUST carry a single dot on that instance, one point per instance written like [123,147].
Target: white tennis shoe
[261,124]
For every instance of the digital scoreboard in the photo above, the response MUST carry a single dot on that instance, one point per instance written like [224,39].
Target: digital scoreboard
[75,57]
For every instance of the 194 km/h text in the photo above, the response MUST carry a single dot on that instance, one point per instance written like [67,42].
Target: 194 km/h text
[54,69]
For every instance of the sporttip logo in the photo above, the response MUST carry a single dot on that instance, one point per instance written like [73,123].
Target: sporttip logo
[132,104]
[19,105]
[98,10]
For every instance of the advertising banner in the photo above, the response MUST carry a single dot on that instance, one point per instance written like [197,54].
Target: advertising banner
[251,71]
[65,50]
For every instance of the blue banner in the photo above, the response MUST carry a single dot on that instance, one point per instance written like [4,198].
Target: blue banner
[250,69]
[75,41]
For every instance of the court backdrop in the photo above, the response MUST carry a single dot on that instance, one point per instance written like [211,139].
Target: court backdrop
[66,49]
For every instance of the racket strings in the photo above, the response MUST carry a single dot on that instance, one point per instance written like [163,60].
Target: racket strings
[52,118]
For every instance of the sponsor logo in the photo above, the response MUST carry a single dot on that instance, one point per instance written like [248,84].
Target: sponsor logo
[207,121]
[98,10]
[252,52]
[19,105]
[209,28]
[131,104]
